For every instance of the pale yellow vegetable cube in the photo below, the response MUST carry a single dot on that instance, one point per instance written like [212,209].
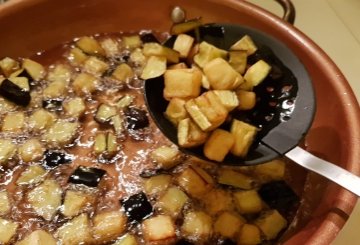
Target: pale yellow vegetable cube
[76,231]
[7,150]
[158,228]
[228,224]
[13,122]
[127,239]
[8,66]
[271,223]
[90,46]
[192,183]
[95,66]
[123,72]
[85,84]
[110,46]
[31,150]
[235,179]
[74,202]
[108,225]
[38,237]
[74,107]
[197,224]
[77,56]
[41,119]
[35,69]
[131,42]
[218,145]
[61,133]
[155,49]
[22,82]
[31,175]
[182,83]
[138,57]
[244,135]
[60,73]
[207,53]
[273,170]
[221,75]
[218,200]
[238,60]
[175,111]
[154,67]
[166,157]
[249,235]
[181,65]
[7,230]
[197,115]
[189,134]
[227,98]
[157,184]
[248,202]
[247,100]
[4,202]
[55,90]
[245,43]
[183,44]
[257,72]
[172,202]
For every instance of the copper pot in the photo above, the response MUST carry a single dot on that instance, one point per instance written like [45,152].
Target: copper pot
[30,26]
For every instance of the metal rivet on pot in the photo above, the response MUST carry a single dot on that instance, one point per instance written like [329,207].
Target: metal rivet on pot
[178,15]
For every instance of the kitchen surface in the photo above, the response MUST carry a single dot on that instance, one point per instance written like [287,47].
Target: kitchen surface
[333,25]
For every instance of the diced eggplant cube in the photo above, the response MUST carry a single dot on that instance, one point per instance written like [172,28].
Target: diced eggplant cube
[110,46]
[197,224]
[175,111]
[8,66]
[247,99]
[7,150]
[14,93]
[13,122]
[41,119]
[61,73]
[111,145]
[117,122]
[136,118]
[137,207]
[245,43]
[125,101]
[22,82]
[95,66]
[4,202]
[158,228]
[90,46]
[75,107]
[207,53]
[166,157]
[104,113]
[35,69]
[248,202]
[61,133]
[132,42]
[45,199]
[228,224]
[189,134]
[273,170]
[148,37]
[186,26]
[256,73]
[172,202]
[7,230]
[31,150]
[85,84]
[52,104]
[155,49]
[123,72]
[108,225]
[74,202]
[271,223]
[76,231]
[56,158]
[183,44]
[100,144]
[244,135]
[87,176]
[238,60]
[182,83]
[77,56]
[127,239]
[278,195]
[31,175]
[236,179]
[217,201]
[218,145]
[155,66]
[192,183]
[55,90]
[157,184]
[38,237]
[249,235]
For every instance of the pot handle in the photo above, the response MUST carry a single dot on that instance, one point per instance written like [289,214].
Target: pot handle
[289,10]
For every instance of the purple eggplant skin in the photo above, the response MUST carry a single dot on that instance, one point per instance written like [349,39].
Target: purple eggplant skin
[55,158]
[137,207]
[136,118]
[148,37]
[14,93]
[87,176]
[52,104]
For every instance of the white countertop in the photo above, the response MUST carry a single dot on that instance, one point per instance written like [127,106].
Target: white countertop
[334,26]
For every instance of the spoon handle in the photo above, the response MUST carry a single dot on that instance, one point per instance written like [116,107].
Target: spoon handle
[329,170]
